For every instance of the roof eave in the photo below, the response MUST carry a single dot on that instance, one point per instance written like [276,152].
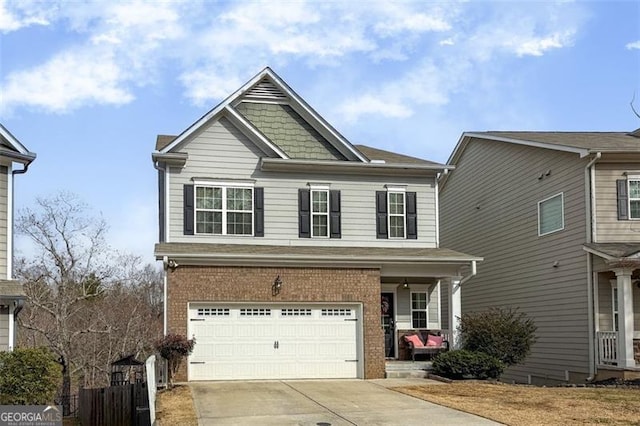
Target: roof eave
[292,165]
[172,159]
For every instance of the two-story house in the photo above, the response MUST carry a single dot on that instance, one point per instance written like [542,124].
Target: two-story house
[556,217]
[12,153]
[291,253]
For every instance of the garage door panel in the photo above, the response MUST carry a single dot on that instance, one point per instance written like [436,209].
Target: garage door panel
[273,342]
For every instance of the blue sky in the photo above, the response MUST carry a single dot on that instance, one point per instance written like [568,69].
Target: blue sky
[88,85]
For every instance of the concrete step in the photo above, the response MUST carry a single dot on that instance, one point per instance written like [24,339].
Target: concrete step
[407,365]
[407,374]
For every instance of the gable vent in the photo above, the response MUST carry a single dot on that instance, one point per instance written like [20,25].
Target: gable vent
[266,90]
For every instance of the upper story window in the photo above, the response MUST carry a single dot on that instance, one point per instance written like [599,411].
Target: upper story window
[629,197]
[319,212]
[551,214]
[396,213]
[222,210]
[634,198]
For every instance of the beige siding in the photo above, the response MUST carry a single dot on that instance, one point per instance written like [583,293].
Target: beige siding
[608,227]
[605,302]
[4,329]
[489,209]
[222,152]
[3,220]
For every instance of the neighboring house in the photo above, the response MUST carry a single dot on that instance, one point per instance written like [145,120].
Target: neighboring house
[282,241]
[12,152]
[556,217]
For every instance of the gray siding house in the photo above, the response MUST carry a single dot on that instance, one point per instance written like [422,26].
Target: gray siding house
[291,253]
[556,217]
[12,153]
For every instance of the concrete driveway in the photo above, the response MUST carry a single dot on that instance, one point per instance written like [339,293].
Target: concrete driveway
[319,403]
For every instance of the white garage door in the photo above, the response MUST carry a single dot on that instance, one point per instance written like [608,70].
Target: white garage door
[273,341]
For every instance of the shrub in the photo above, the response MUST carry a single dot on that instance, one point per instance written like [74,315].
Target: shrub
[465,364]
[174,348]
[29,376]
[505,334]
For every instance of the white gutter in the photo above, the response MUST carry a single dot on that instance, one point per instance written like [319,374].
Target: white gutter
[473,273]
[590,192]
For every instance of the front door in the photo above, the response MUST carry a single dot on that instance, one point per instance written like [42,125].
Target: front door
[387,316]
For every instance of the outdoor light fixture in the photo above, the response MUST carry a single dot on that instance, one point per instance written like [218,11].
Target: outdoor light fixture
[405,284]
[277,285]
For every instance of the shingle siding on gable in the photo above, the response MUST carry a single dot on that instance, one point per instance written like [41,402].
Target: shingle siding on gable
[608,227]
[489,208]
[284,127]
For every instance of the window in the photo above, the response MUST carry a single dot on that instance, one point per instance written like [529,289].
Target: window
[419,302]
[396,215]
[222,210]
[551,215]
[320,213]
[634,197]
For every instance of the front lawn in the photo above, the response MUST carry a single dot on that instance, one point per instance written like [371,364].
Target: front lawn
[175,407]
[528,405]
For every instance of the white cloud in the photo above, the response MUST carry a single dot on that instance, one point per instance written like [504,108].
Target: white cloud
[15,16]
[633,45]
[67,81]
[537,46]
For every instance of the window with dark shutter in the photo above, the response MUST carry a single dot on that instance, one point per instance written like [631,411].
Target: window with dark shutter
[188,214]
[334,209]
[258,212]
[304,214]
[623,199]
[381,214]
[412,216]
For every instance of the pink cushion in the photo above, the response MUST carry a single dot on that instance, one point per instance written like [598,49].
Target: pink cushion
[415,340]
[434,340]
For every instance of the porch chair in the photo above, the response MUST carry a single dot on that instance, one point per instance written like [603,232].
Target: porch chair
[433,346]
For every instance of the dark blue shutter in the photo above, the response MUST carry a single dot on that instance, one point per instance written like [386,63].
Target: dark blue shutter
[188,213]
[258,212]
[412,216]
[381,214]
[334,214]
[623,200]
[304,213]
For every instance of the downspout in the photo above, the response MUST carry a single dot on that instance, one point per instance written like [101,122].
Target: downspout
[590,184]
[471,275]
[13,210]
[165,259]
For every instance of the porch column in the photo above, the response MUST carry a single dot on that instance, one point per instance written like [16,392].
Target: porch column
[455,311]
[625,318]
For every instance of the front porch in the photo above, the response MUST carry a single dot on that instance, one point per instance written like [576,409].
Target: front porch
[617,310]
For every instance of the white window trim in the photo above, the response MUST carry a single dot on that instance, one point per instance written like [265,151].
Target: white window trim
[224,210]
[425,310]
[397,190]
[316,189]
[561,194]
[629,179]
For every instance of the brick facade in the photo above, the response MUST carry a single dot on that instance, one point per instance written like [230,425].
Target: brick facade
[253,284]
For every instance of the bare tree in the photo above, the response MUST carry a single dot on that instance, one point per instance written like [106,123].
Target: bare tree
[69,268]
[86,302]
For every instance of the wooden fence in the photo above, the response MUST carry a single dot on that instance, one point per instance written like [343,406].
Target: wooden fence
[126,405]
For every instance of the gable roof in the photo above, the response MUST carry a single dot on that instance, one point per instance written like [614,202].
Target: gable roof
[11,290]
[392,157]
[582,143]
[265,85]
[11,147]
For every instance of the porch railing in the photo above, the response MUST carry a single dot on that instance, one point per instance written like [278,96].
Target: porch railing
[607,344]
